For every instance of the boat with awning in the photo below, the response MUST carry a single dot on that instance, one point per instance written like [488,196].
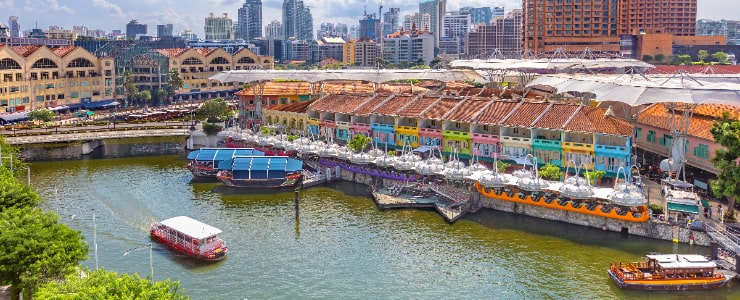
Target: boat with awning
[204,162]
[260,171]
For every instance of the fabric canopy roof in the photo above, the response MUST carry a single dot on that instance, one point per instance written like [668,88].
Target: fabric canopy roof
[636,89]
[549,64]
[377,76]
[14,117]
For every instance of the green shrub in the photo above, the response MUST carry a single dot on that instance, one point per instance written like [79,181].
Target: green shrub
[656,208]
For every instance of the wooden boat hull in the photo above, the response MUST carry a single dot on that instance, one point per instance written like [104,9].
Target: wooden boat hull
[215,255]
[688,284]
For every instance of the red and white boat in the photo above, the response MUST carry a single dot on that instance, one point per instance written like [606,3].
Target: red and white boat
[190,237]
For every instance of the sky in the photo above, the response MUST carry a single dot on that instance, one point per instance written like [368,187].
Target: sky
[190,14]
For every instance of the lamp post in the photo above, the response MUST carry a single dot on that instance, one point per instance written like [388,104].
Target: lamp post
[151,266]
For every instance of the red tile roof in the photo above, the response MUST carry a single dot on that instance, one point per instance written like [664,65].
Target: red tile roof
[63,51]
[413,109]
[368,107]
[526,114]
[340,103]
[466,111]
[594,119]
[278,88]
[495,112]
[205,51]
[295,107]
[439,110]
[391,107]
[171,52]
[716,110]
[556,116]
[348,86]
[656,115]
[25,51]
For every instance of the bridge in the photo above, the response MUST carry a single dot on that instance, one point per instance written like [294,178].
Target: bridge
[93,135]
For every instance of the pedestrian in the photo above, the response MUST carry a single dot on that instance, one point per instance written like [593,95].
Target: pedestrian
[720,213]
[710,211]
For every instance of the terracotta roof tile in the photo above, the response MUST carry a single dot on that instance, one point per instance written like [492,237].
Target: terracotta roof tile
[273,88]
[63,51]
[391,107]
[368,107]
[556,116]
[656,116]
[171,52]
[466,111]
[295,107]
[25,51]
[594,119]
[401,88]
[496,112]
[348,86]
[716,110]
[205,51]
[340,103]
[438,110]
[525,115]
[415,108]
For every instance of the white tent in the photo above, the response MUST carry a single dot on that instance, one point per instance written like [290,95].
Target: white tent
[550,64]
[377,76]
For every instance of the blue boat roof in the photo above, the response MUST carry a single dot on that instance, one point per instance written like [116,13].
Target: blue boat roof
[261,163]
[221,154]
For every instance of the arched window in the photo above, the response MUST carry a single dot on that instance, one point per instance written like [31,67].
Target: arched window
[267,61]
[44,63]
[246,60]
[9,64]
[80,63]
[220,61]
[192,61]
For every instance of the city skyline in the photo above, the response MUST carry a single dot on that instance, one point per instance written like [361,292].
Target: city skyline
[185,14]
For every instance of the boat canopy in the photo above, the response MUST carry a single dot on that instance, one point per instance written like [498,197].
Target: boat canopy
[682,261]
[191,227]
[261,167]
[221,154]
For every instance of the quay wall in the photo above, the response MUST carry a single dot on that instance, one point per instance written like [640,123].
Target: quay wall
[104,148]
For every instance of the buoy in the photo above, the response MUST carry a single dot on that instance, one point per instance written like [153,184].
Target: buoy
[675,241]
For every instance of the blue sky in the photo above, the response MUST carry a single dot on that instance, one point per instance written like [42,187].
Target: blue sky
[189,14]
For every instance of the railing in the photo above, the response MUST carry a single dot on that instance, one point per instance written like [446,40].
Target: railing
[720,234]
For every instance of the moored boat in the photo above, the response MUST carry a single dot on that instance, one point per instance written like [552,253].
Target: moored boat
[204,162]
[260,171]
[190,237]
[667,272]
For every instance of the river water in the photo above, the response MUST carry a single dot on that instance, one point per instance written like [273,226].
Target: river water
[340,246]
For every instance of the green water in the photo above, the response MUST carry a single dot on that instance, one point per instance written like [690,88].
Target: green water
[340,246]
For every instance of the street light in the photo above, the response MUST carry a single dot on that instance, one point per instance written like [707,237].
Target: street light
[151,266]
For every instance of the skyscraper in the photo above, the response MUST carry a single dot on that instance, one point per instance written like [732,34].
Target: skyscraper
[14,26]
[219,28]
[368,24]
[164,30]
[436,10]
[274,29]
[297,20]
[391,20]
[249,20]
[676,17]
[478,15]
[134,28]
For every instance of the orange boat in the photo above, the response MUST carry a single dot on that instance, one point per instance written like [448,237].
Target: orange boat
[669,272]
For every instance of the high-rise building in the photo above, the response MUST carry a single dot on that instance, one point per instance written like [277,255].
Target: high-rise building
[249,20]
[498,12]
[164,30]
[455,27]
[478,15]
[297,20]
[409,47]
[219,28]
[728,28]
[436,10]
[391,20]
[549,26]
[418,21]
[368,26]
[14,26]
[134,29]
[676,17]
[274,30]
[504,35]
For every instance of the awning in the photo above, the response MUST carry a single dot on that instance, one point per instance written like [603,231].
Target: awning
[100,104]
[14,117]
[58,108]
[692,209]
[74,105]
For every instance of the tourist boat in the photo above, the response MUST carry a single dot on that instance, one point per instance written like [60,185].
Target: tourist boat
[665,272]
[260,171]
[204,162]
[190,237]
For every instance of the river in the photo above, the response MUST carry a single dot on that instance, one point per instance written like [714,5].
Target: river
[341,246]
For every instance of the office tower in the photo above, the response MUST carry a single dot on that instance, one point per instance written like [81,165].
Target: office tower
[297,20]
[368,24]
[274,29]
[436,10]
[14,26]
[219,28]
[728,28]
[249,20]
[478,15]
[504,35]
[391,20]
[498,12]
[164,30]
[418,21]
[676,17]
[134,28]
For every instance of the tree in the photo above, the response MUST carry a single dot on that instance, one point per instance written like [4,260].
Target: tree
[215,110]
[144,96]
[174,82]
[41,114]
[14,194]
[720,57]
[659,58]
[502,166]
[359,142]
[702,55]
[161,96]
[647,58]
[101,284]
[550,171]
[35,249]
[211,129]
[726,132]
[683,59]
[594,176]
[14,152]
[129,87]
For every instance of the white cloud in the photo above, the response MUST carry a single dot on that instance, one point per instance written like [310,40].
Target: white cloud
[45,6]
[6,5]
[113,9]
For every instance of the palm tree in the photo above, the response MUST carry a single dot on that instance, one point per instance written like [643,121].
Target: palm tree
[174,83]
[129,86]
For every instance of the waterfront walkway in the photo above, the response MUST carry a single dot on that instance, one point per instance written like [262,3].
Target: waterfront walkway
[93,135]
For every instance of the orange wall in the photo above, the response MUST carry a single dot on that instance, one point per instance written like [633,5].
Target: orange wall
[662,43]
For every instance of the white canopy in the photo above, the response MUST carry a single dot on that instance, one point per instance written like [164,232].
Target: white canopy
[636,89]
[377,76]
[191,227]
[550,64]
